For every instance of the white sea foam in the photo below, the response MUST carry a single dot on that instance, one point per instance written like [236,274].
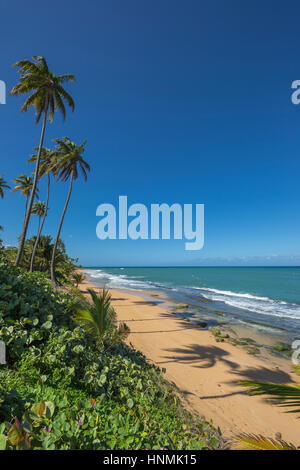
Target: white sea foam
[236,294]
[117,280]
[244,301]
[253,303]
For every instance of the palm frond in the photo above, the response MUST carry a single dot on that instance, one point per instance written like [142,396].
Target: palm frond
[3,185]
[86,319]
[39,208]
[67,77]
[66,96]
[258,442]
[69,159]
[24,183]
[46,160]
[47,92]
[59,106]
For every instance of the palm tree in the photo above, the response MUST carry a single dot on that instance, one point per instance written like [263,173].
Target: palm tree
[68,165]
[46,167]
[99,319]
[38,208]
[24,184]
[78,278]
[3,185]
[47,96]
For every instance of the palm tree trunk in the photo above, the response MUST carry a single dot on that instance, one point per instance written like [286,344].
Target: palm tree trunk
[53,278]
[40,228]
[35,244]
[32,194]
[26,204]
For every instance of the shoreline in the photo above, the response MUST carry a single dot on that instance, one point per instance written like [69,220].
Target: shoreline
[205,371]
[255,310]
[266,340]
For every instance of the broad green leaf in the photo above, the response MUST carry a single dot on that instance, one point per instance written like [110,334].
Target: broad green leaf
[130,403]
[3,441]
[15,434]
[39,409]
[47,325]
[50,408]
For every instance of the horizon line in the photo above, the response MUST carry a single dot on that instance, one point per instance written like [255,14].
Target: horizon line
[178,266]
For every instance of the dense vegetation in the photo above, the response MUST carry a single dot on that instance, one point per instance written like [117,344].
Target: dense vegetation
[65,265]
[63,389]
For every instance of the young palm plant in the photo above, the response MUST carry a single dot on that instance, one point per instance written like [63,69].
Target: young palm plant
[3,185]
[38,208]
[78,278]
[46,167]
[24,184]
[68,165]
[47,95]
[99,319]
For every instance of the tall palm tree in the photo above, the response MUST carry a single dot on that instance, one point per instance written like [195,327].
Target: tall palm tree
[46,167]
[3,185]
[38,208]
[68,166]
[24,184]
[47,96]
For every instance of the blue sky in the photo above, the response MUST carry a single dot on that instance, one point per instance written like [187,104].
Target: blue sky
[180,101]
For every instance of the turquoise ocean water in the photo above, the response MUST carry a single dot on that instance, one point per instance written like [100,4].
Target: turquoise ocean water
[262,295]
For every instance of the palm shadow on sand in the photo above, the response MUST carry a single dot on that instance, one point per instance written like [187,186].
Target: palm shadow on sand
[204,357]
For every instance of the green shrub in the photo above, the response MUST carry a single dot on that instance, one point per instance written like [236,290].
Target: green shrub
[282,347]
[62,390]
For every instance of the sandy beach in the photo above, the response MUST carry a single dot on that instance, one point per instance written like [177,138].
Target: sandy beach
[207,372]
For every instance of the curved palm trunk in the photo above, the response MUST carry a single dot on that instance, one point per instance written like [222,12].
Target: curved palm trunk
[26,204]
[32,194]
[40,228]
[53,278]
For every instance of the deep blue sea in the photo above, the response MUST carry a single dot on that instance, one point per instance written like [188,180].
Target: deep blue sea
[261,295]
